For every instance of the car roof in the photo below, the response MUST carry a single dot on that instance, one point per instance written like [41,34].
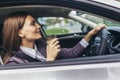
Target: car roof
[8,6]
[114,3]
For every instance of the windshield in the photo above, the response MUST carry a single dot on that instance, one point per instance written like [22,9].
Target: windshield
[98,20]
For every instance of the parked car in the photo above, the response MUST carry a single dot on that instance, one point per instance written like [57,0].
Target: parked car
[70,21]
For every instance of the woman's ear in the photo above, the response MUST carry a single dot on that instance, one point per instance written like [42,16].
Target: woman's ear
[20,33]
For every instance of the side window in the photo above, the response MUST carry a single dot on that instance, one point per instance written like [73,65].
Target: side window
[59,25]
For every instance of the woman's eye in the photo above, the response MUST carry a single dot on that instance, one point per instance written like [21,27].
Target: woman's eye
[34,23]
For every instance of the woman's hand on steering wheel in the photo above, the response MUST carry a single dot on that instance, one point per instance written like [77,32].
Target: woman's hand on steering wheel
[94,31]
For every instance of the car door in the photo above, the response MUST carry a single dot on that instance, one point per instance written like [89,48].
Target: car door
[99,67]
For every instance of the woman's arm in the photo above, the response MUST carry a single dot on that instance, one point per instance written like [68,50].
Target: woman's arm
[53,48]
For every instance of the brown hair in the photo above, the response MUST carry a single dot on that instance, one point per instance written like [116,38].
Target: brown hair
[11,41]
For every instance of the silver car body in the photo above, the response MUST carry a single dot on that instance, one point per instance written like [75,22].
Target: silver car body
[101,70]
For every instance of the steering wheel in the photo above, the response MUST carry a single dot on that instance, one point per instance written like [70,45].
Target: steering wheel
[114,45]
[99,45]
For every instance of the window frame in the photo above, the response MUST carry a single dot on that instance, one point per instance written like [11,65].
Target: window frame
[97,9]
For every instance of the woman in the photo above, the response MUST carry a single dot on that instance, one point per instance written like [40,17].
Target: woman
[21,34]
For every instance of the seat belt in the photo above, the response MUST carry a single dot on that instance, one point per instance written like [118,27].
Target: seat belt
[1,61]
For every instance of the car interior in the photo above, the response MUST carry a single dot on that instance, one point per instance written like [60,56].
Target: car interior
[106,42]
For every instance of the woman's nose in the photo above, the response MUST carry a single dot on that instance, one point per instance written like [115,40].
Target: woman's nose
[38,26]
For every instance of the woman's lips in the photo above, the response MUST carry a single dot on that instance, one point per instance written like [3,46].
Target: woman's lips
[38,31]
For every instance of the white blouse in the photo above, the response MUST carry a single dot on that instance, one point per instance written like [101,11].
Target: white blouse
[34,53]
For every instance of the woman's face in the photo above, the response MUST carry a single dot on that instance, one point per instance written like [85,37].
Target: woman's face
[30,30]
